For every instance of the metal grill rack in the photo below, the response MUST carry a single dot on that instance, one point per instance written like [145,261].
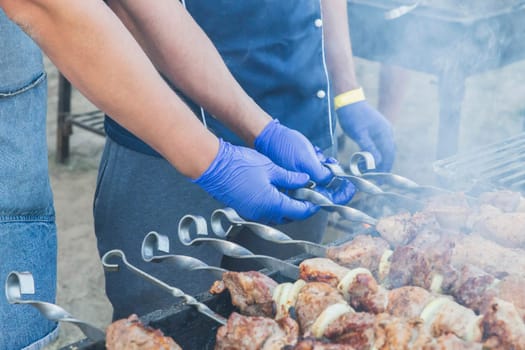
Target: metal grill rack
[499,165]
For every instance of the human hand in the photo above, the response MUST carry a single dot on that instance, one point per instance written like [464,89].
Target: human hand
[248,182]
[371,131]
[291,150]
[340,190]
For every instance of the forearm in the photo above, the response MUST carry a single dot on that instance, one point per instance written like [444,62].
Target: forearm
[338,46]
[185,55]
[92,48]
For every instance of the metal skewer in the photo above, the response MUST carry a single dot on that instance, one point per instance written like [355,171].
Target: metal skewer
[19,283]
[230,249]
[347,213]
[268,233]
[154,242]
[393,180]
[202,308]
[368,187]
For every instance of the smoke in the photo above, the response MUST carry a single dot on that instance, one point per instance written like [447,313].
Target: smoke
[461,58]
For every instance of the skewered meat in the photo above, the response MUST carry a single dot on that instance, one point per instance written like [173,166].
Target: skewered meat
[442,315]
[312,300]
[285,297]
[489,256]
[474,288]
[365,331]
[451,342]
[256,333]
[409,266]
[407,302]
[451,211]
[322,270]
[506,201]
[316,344]
[131,334]
[363,251]
[503,327]
[352,328]
[429,267]
[357,285]
[362,291]
[506,229]
[250,291]
[402,228]
[512,289]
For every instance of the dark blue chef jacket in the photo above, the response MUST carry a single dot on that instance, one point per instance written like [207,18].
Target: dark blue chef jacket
[274,49]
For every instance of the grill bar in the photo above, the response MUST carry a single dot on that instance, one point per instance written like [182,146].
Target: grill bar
[500,165]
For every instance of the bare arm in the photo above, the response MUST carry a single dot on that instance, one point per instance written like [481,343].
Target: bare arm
[338,47]
[97,54]
[189,59]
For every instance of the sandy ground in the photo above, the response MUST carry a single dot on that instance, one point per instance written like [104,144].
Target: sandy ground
[494,109]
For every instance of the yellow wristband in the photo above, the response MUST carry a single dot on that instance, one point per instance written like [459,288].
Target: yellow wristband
[349,97]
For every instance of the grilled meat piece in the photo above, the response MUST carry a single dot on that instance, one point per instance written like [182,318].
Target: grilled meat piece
[409,266]
[489,256]
[322,270]
[512,290]
[316,344]
[358,286]
[353,328]
[365,331]
[402,228]
[312,300]
[256,333]
[362,291]
[443,316]
[408,302]
[250,291]
[474,288]
[451,211]
[503,228]
[451,342]
[503,326]
[397,334]
[506,201]
[363,251]
[131,334]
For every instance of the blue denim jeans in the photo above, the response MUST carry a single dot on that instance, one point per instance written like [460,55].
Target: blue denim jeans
[27,222]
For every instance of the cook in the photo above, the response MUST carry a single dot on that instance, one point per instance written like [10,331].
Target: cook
[292,58]
[93,49]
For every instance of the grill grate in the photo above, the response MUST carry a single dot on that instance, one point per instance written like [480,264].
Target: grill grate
[499,165]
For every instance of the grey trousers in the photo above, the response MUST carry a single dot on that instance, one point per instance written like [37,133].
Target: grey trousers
[138,193]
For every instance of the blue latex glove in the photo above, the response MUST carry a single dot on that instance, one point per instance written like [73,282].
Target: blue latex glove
[247,181]
[291,150]
[371,131]
[339,191]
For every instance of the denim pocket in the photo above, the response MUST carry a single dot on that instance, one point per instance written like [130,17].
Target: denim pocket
[27,243]
[24,180]
[11,90]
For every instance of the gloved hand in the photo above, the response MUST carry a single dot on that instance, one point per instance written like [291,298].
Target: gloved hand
[247,181]
[291,150]
[339,191]
[371,131]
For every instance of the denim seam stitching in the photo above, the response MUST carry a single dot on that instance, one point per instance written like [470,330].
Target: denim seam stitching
[25,218]
[36,82]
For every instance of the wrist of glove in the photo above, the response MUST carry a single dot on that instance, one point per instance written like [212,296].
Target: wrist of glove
[291,150]
[370,130]
[248,182]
